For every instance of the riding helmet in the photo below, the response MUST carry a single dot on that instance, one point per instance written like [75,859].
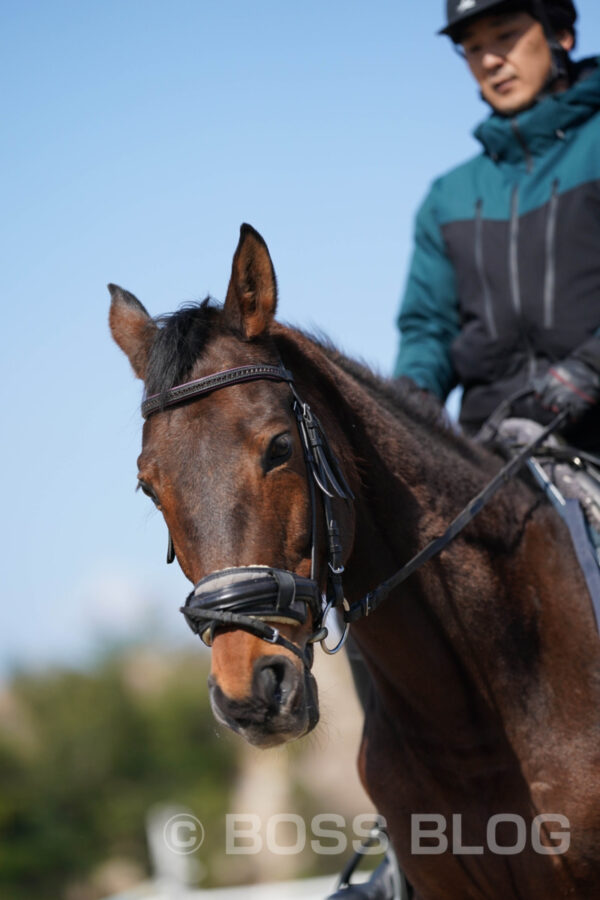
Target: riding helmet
[558,14]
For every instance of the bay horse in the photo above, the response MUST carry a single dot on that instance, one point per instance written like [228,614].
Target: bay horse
[481,743]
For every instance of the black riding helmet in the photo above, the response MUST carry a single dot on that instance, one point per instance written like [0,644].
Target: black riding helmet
[554,15]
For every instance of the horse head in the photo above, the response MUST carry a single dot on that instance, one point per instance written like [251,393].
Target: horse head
[232,472]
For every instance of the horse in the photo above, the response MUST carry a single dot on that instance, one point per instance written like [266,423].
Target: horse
[481,742]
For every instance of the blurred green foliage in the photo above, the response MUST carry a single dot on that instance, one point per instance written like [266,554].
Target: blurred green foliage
[84,755]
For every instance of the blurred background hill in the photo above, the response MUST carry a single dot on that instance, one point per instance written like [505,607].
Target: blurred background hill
[86,754]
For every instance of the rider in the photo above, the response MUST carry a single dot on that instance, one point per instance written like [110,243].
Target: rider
[504,288]
[503,293]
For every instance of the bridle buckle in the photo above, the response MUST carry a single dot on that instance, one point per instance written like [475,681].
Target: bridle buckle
[274,636]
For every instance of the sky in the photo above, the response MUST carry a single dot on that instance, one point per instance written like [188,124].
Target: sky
[137,136]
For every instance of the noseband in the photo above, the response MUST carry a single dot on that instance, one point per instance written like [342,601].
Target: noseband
[251,597]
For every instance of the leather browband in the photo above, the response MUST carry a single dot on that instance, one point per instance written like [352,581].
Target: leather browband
[209,383]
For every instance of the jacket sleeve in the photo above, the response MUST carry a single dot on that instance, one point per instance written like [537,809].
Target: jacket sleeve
[429,317]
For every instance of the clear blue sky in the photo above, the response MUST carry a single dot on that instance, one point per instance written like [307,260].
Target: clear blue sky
[137,136]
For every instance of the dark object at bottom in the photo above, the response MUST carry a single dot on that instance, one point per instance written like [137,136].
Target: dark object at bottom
[386,883]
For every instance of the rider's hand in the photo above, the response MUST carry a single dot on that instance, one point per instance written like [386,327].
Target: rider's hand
[570,385]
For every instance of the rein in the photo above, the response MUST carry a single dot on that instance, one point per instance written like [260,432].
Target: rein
[372,600]
[251,597]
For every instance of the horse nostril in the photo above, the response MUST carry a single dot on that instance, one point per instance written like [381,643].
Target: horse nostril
[274,678]
[269,682]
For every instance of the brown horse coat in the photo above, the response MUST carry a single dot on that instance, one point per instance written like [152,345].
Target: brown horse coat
[485,663]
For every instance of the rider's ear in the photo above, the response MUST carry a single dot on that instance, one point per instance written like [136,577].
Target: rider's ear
[252,294]
[566,39]
[132,328]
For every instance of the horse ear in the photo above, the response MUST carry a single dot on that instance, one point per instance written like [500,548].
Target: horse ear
[252,293]
[132,328]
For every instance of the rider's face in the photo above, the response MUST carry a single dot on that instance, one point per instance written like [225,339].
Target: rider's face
[510,59]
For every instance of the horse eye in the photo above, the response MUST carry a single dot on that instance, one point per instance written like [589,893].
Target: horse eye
[280,450]
[147,490]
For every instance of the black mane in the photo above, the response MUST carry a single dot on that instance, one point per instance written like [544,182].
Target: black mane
[401,398]
[397,395]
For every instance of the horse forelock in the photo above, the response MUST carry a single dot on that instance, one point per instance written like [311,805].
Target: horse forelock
[180,341]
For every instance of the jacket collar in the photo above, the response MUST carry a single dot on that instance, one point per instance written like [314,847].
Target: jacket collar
[536,129]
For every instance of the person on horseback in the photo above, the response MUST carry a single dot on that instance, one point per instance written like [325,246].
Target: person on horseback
[503,289]
[503,292]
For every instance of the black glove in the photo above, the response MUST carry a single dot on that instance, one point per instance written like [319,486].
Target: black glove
[570,385]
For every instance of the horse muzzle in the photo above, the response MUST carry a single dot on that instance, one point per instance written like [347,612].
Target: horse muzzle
[281,706]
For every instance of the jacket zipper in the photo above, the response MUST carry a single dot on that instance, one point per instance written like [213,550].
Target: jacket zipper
[513,252]
[531,360]
[550,273]
[515,287]
[523,145]
[487,294]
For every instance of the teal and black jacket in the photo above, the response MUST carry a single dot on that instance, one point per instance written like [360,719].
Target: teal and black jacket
[505,277]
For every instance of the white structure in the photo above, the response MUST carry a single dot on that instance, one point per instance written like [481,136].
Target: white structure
[304,889]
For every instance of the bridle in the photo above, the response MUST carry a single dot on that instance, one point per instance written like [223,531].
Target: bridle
[252,597]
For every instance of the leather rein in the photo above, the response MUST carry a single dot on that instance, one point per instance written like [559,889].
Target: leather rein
[252,597]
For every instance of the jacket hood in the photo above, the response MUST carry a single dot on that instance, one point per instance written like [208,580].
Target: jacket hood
[504,138]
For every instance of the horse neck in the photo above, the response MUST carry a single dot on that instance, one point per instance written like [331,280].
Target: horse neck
[410,480]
